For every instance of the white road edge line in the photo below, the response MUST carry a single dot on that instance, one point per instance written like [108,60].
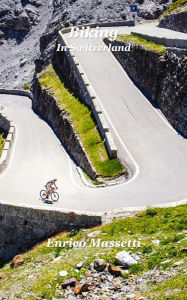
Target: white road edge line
[137,168]
[159,113]
[70,161]
[14,147]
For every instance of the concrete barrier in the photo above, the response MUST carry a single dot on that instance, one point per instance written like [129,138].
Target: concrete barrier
[129,23]
[175,43]
[88,95]
[16,92]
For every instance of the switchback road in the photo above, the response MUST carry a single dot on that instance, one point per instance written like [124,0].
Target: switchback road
[142,134]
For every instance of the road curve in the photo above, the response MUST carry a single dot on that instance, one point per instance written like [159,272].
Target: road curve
[159,153]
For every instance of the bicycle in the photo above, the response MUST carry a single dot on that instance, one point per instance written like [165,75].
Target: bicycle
[53,195]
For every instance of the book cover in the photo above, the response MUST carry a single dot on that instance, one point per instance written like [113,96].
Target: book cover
[93,128]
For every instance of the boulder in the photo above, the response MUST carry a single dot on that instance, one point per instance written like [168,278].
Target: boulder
[63,273]
[93,234]
[36,3]
[20,22]
[17,261]
[135,256]
[183,249]
[79,266]
[4,12]
[124,259]
[151,12]
[32,14]
[2,34]
[23,22]
[130,296]
[18,11]
[79,289]
[115,271]
[70,282]
[23,62]
[99,264]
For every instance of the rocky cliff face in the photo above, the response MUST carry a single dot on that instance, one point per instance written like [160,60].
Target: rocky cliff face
[176,22]
[21,25]
[163,79]
[77,12]
[28,29]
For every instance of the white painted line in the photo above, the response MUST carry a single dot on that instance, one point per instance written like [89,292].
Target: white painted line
[137,168]
[159,113]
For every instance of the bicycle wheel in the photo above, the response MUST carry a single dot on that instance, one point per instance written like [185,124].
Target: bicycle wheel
[54,196]
[43,194]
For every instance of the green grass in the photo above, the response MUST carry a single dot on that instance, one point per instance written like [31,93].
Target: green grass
[83,122]
[136,40]
[175,7]
[26,86]
[174,288]
[167,225]
[2,142]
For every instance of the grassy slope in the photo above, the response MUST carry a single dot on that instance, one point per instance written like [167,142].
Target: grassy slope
[177,6]
[2,142]
[166,225]
[83,123]
[133,39]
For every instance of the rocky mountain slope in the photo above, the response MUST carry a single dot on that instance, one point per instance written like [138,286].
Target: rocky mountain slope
[175,17]
[61,269]
[28,29]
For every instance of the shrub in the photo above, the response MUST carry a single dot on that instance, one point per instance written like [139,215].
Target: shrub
[26,86]
[147,249]
[151,212]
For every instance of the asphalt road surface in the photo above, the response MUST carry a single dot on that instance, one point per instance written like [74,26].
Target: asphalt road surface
[144,138]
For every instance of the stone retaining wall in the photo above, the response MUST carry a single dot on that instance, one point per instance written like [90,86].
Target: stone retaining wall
[22,227]
[47,106]
[176,43]
[16,92]
[163,79]
[176,22]
[104,24]
[74,74]
[8,128]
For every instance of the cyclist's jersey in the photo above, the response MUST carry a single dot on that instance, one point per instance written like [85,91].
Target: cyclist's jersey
[49,184]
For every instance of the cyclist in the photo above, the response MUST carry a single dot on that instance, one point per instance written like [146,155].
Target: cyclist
[50,186]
